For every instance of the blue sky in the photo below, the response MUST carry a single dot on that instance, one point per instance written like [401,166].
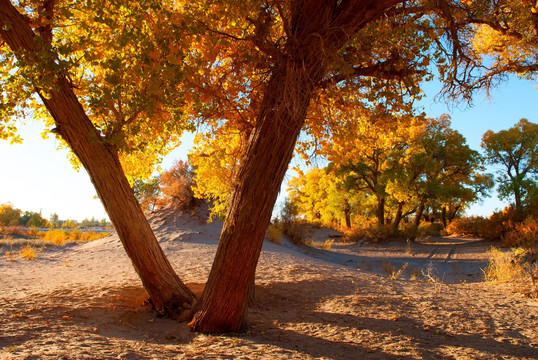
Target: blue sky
[38,177]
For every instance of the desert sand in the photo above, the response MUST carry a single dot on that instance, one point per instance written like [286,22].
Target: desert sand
[351,302]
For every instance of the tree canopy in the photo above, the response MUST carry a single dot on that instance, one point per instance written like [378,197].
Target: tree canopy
[124,80]
[515,151]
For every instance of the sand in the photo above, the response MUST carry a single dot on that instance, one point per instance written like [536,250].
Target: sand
[351,302]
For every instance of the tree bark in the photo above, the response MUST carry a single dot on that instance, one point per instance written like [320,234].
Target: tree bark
[319,29]
[168,294]
[347,214]
[398,217]
[443,217]
[418,215]
[224,301]
[380,211]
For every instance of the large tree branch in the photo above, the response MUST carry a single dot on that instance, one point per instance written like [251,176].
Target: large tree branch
[388,69]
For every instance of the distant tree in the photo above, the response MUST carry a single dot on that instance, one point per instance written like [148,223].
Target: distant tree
[147,193]
[9,216]
[176,186]
[54,220]
[322,196]
[30,218]
[439,170]
[516,151]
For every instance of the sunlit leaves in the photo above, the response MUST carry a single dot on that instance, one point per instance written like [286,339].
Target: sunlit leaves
[516,151]
[125,63]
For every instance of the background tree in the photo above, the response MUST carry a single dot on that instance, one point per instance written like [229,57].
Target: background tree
[438,169]
[9,216]
[176,186]
[516,151]
[54,220]
[147,193]
[321,196]
[30,218]
[302,47]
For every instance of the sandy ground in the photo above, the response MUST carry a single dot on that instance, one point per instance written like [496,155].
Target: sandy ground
[355,301]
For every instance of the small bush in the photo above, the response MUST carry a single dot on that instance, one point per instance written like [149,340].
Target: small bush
[518,266]
[354,234]
[523,235]
[28,252]
[274,234]
[295,230]
[57,237]
[9,255]
[327,244]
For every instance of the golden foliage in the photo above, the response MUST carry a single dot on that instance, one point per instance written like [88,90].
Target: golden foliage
[28,252]
[274,234]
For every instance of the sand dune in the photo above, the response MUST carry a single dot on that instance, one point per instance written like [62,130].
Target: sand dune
[86,302]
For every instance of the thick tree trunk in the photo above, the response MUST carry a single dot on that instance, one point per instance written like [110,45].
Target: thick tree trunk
[224,301]
[380,211]
[347,214]
[398,217]
[320,28]
[443,217]
[168,294]
[418,215]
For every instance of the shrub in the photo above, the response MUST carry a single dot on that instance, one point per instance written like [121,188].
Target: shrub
[57,237]
[493,228]
[524,235]
[354,234]
[274,234]
[377,233]
[295,230]
[466,226]
[28,252]
[327,244]
[516,266]
[369,230]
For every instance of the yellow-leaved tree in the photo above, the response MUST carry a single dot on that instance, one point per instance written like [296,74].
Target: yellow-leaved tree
[106,77]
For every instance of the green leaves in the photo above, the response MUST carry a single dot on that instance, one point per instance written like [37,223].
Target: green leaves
[516,151]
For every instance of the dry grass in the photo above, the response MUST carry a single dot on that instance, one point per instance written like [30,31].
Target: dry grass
[517,266]
[28,252]
[393,272]
[503,267]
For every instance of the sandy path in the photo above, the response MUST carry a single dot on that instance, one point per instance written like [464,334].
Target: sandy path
[85,302]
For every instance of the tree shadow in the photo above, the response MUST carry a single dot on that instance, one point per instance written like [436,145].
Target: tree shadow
[305,325]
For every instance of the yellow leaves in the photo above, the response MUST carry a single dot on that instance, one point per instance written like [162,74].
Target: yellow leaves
[216,159]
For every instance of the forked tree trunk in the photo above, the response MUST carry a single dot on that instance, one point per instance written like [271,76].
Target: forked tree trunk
[320,28]
[168,294]
[223,305]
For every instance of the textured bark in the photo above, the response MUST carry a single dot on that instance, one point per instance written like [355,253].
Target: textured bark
[418,215]
[168,294]
[443,217]
[380,212]
[319,28]
[398,217]
[347,214]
